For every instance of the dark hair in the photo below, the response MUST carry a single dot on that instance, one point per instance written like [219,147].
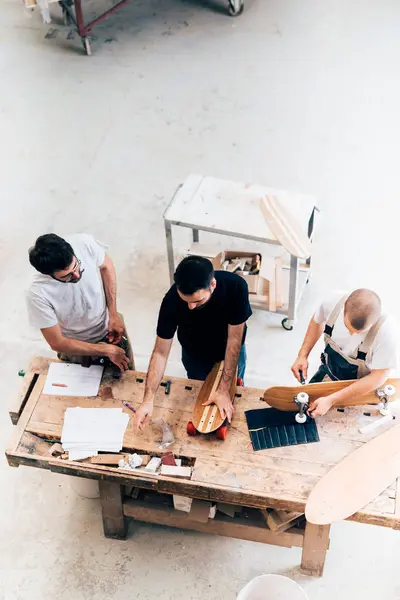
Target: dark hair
[192,274]
[363,309]
[50,253]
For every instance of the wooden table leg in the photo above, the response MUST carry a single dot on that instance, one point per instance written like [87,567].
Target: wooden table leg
[315,545]
[112,511]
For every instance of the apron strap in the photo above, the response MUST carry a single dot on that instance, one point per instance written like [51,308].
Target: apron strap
[334,315]
[367,344]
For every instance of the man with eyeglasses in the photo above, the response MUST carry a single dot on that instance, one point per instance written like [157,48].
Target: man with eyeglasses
[209,311]
[72,300]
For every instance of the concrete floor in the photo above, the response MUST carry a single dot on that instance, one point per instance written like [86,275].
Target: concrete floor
[299,95]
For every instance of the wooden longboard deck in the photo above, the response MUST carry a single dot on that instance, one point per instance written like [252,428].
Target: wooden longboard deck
[357,480]
[281,397]
[285,228]
[272,587]
[207,419]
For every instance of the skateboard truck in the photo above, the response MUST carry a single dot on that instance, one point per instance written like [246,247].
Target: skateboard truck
[384,395]
[302,402]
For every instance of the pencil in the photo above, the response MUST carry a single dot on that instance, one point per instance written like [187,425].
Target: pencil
[59,384]
[128,406]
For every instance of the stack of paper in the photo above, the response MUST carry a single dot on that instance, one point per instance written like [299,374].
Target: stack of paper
[86,431]
[67,379]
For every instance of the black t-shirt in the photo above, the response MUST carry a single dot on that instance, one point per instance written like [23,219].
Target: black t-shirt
[203,331]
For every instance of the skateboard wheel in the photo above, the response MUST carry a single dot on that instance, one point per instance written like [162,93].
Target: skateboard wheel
[384,410]
[302,397]
[389,390]
[191,429]
[239,382]
[301,418]
[222,432]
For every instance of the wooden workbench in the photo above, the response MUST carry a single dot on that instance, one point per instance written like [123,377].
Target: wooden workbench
[223,471]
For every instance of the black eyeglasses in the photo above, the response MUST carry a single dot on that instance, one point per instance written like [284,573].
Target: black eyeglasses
[68,278]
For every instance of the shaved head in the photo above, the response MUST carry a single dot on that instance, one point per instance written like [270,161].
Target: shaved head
[362,309]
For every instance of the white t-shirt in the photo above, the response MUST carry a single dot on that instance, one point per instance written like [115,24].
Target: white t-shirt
[384,350]
[79,308]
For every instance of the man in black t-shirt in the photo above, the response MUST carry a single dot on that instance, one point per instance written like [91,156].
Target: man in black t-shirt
[209,310]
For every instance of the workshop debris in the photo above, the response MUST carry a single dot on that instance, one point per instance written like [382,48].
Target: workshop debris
[168,459]
[154,464]
[132,461]
[184,472]
[272,428]
[67,379]
[86,431]
[201,511]
[56,450]
[167,435]
[106,459]
[230,510]
[182,503]
[282,520]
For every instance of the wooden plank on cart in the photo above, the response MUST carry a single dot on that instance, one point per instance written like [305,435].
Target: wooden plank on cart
[285,228]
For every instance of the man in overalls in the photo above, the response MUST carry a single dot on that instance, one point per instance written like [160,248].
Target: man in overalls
[360,343]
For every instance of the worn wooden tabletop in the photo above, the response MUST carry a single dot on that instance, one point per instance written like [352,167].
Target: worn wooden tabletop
[227,471]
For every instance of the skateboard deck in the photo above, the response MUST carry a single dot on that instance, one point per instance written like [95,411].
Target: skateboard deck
[285,228]
[282,396]
[272,587]
[356,480]
[207,419]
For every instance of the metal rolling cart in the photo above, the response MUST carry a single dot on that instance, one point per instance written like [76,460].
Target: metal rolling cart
[73,13]
[232,209]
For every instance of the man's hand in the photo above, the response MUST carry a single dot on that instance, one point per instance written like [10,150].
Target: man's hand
[224,403]
[116,329]
[300,364]
[320,406]
[142,416]
[115,354]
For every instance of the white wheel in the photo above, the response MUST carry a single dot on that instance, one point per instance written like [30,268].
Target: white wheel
[384,410]
[302,397]
[389,390]
[300,418]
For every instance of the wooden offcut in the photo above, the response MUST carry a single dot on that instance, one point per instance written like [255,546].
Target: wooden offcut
[284,227]
[281,520]
[174,471]
[282,397]
[357,480]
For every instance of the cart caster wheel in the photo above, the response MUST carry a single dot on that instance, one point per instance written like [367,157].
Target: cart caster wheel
[222,432]
[300,418]
[86,46]
[191,429]
[235,7]
[286,324]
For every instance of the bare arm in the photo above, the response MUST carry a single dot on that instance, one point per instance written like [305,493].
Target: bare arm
[59,343]
[235,336]
[155,373]
[116,327]
[313,333]
[361,387]
[222,397]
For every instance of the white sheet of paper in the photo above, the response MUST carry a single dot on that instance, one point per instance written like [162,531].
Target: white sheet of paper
[88,430]
[73,380]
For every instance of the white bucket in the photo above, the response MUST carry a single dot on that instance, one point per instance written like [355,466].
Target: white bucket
[87,488]
[272,587]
